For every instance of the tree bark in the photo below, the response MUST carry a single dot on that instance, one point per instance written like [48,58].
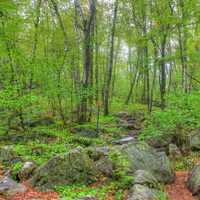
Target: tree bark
[110,62]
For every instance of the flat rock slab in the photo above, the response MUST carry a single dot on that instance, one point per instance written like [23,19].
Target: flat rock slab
[124,140]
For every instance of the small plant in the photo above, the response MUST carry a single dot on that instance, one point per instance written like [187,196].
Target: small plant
[83,140]
[121,169]
[186,163]
[16,168]
[162,196]
[71,192]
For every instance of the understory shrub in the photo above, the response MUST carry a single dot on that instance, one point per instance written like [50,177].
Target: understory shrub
[180,115]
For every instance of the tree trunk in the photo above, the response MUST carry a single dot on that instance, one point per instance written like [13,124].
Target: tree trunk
[163,73]
[110,63]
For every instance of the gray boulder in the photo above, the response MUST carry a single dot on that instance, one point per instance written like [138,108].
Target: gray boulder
[8,187]
[145,178]
[195,140]
[7,154]
[27,170]
[96,153]
[161,142]
[105,166]
[130,121]
[100,156]
[87,198]
[143,157]
[141,192]
[43,121]
[86,132]
[174,152]
[193,182]
[72,167]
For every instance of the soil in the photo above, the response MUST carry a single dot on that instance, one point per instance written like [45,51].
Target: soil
[178,190]
[32,194]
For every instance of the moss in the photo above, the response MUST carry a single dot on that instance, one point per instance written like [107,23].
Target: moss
[121,167]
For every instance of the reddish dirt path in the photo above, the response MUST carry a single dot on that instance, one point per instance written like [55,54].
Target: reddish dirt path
[178,190]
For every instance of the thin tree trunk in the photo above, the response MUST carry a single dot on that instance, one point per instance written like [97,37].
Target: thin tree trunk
[88,32]
[35,42]
[163,73]
[133,81]
[154,78]
[110,63]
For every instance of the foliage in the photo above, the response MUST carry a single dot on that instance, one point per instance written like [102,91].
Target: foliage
[101,191]
[40,153]
[55,61]
[83,140]
[162,196]
[16,167]
[186,163]
[75,191]
[10,98]
[182,112]
[121,168]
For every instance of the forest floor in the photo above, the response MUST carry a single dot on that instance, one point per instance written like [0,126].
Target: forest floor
[41,143]
[178,190]
[175,191]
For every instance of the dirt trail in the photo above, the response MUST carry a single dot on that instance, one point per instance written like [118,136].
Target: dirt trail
[178,190]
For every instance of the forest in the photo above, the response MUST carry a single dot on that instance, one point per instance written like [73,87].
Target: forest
[99,99]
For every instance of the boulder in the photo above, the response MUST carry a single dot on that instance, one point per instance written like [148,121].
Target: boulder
[44,121]
[7,154]
[161,142]
[100,156]
[141,156]
[193,182]
[130,121]
[27,170]
[174,152]
[141,192]
[72,167]
[122,114]
[105,166]
[143,177]
[96,153]
[87,198]
[126,124]
[9,187]
[86,132]
[195,140]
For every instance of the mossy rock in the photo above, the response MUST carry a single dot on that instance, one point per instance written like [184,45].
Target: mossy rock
[141,156]
[72,167]
[8,155]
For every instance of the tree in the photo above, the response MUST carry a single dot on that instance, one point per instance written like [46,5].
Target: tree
[110,61]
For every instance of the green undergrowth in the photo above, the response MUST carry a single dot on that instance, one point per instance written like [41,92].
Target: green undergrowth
[118,106]
[40,152]
[71,192]
[16,167]
[162,196]
[186,163]
[180,115]
[101,190]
